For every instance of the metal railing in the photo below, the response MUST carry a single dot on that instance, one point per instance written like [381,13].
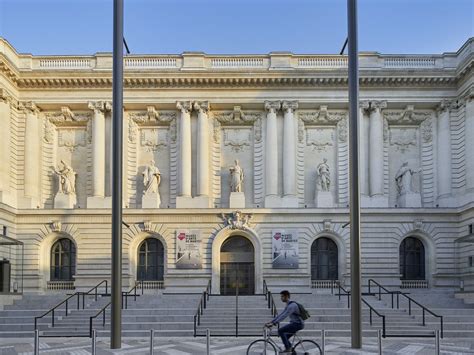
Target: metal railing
[201,306]
[373,310]
[94,291]
[53,312]
[424,309]
[269,298]
[91,319]
[126,294]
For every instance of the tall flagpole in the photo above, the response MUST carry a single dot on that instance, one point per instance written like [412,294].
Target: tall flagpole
[117,137]
[356,302]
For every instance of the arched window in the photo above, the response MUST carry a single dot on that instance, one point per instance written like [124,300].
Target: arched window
[412,259]
[63,260]
[151,263]
[324,260]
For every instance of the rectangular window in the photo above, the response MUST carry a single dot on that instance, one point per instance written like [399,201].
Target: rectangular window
[470,261]
[470,228]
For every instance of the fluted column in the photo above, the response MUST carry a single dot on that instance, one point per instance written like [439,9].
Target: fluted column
[363,148]
[4,143]
[444,150]
[469,141]
[32,155]
[202,148]
[185,148]
[271,149]
[98,143]
[289,148]
[376,157]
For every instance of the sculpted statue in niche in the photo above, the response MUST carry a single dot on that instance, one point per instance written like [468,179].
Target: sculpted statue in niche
[403,178]
[151,178]
[67,178]
[236,177]
[324,177]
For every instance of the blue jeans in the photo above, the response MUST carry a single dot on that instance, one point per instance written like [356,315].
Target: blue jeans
[287,331]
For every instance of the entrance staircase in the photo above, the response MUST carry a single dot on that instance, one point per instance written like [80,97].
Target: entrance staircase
[174,315]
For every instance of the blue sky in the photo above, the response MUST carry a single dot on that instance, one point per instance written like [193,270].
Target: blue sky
[236,26]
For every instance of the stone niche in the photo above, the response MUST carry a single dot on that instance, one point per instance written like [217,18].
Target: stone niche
[154,144]
[72,147]
[237,144]
[320,143]
[404,146]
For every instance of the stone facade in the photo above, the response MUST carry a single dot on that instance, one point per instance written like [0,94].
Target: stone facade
[280,115]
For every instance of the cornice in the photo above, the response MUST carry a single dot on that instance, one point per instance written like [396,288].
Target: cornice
[233,82]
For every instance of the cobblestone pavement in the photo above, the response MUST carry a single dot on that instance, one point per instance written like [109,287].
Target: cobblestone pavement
[221,346]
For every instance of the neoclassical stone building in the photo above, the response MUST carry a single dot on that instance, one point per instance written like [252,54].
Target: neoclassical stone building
[236,170]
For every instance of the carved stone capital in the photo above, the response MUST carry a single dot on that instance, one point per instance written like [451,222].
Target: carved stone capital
[201,106]
[272,106]
[378,104]
[29,107]
[469,95]
[364,104]
[289,106]
[445,105]
[99,106]
[5,96]
[184,106]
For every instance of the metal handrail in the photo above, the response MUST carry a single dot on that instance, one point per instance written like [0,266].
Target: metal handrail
[410,301]
[91,319]
[95,289]
[201,306]
[78,294]
[126,294]
[372,309]
[66,301]
[270,300]
[341,289]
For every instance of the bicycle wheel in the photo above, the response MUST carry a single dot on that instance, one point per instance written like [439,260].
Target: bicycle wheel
[307,347]
[257,348]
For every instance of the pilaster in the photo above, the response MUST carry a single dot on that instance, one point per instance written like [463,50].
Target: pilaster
[289,154]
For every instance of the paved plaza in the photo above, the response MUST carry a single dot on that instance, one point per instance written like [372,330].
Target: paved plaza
[219,346]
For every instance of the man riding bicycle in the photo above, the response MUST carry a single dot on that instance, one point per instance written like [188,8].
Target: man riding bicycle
[296,322]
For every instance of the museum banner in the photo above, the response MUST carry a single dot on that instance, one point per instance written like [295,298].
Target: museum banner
[285,249]
[188,253]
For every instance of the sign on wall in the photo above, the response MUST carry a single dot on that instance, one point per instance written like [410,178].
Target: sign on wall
[188,253]
[285,249]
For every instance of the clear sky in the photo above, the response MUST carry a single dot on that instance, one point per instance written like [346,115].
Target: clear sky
[236,26]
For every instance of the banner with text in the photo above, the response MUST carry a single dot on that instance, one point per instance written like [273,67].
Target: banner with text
[188,249]
[285,249]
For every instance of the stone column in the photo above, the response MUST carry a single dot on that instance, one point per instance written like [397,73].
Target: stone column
[444,153]
[289,154]
[184,165]
[5,113]
[202,148]
[376,156]
[469,141]
[271,155]
[32,156]
[97,200]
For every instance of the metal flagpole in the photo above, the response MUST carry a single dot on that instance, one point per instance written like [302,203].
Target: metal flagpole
[117,129]
[356,307]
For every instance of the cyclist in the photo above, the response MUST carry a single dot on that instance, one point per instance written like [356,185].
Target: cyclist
[296,322]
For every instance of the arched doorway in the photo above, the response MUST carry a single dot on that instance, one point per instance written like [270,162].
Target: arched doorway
[63,260]
[237,266]
[151,261]
[412,259]
[324,259]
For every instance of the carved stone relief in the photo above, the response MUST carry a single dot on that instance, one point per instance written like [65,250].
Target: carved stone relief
[403,138]
[238,139]
[72,138]
[153,139]
[320,138]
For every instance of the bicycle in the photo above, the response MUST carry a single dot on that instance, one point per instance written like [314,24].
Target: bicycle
[298,345]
